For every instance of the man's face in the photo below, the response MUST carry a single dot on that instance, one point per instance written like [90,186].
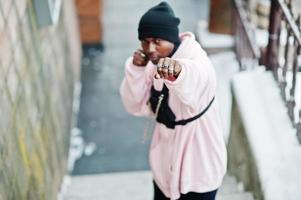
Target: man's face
[156,48]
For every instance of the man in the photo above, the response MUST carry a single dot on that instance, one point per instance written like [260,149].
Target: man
[172,79]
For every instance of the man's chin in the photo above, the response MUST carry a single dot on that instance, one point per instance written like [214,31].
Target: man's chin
[155,61]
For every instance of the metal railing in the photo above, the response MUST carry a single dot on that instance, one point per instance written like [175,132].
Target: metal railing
[282,54]
[245,42]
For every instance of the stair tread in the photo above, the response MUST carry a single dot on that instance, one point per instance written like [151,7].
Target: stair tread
[235,196]
[229,185]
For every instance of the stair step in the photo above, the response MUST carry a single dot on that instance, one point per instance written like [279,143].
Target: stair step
[235,196]
[228,178]
[228,189]
[229,185]
[135,186]
[130,186]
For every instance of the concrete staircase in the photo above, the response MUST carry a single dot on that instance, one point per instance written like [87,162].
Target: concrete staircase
[134,186]
[231,190]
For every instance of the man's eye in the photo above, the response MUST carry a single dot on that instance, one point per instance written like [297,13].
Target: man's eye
[157,41]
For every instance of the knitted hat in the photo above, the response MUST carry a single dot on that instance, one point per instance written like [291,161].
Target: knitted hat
[159,22]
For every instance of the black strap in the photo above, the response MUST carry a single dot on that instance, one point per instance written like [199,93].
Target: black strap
[185,121]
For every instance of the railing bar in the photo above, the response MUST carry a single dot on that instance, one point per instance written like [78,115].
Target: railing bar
[281,12]
[285,67]
[291,103]
[243,18]
[290,20]
[295,67]
[283,81]
[272,52]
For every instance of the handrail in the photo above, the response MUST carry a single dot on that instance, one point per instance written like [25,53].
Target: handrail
[281,13]
[290,20]
[282,52]
[247,29]
[246,48]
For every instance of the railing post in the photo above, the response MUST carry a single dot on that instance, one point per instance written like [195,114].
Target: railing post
[298,127]
[274,29]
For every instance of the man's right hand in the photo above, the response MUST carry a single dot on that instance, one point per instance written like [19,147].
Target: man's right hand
[139,58]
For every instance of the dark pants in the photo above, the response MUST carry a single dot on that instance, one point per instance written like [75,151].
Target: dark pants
[189,196]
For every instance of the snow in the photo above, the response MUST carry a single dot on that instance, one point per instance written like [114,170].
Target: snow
[272,138]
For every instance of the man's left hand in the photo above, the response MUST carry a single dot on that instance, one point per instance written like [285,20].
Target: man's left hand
[168,68]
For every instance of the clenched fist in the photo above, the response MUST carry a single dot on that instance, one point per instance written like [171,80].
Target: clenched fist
[168,68]
[140,58]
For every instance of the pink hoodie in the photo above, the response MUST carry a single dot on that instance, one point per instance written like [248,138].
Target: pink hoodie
[190,158]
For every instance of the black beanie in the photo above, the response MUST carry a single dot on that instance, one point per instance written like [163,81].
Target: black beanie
[159,22]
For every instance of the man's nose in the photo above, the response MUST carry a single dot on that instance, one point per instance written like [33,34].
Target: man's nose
[151,47]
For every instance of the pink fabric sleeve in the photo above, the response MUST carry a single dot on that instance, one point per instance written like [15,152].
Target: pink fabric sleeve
[135,89]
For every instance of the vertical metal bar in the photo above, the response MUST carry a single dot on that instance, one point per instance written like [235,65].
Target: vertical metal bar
[298,127]
[291,102]
[287,45]
[295,67]
[282,80]
[238,30]
[274,27]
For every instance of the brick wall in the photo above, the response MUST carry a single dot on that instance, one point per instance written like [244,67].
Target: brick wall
[38,70]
